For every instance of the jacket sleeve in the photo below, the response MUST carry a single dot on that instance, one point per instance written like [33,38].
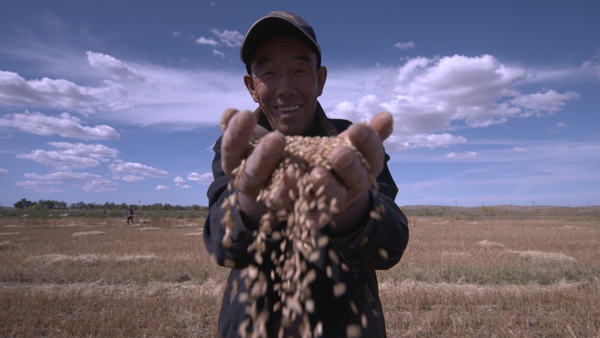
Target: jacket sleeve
[378,244]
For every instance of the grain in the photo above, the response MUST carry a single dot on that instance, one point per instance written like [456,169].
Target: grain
[300,243]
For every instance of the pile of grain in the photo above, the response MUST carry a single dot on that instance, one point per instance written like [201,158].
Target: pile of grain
[298,244]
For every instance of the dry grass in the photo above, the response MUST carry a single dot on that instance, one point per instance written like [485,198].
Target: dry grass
[493,277]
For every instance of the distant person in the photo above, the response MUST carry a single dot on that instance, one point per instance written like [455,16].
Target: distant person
[285,78]
[130,215]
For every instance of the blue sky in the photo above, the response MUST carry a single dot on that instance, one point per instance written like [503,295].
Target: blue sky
[494,102]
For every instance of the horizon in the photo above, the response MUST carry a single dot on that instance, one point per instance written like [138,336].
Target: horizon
[494,103]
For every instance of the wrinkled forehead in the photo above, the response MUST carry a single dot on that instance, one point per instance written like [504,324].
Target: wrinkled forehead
[282,46]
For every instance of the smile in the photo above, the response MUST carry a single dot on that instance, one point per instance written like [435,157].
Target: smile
[289,109]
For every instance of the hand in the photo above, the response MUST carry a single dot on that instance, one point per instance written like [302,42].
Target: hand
[238,128]
[351,179]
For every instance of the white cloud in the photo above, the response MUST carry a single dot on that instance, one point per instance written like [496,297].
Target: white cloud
[114,67]
[427,96]
[176,33]
[550,101]
[99,185]
[219,54]
[395,143]
[63,176]
[561,125]
[3,171]
[60,94]
[59,160]
[162,187]
[74,156]
[229,38]
[205,178]
[404,45]
[63,125]
[181,183]
[39,186]
[131,178]
[48,182]
[97,151]
[462,156]
[520,150]
[136,168]
[204,41]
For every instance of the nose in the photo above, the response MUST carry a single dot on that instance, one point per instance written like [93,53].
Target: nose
[286,85]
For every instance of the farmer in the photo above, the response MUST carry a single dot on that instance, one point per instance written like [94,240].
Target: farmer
[130,215]
[285,78]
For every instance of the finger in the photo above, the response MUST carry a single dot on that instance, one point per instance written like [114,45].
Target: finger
[369,144]
[239,126]
[349,169]
[227,115]
[261,164]
[383,124]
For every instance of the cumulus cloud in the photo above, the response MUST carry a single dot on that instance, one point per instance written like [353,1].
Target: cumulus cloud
[75,156]
[462,156]
[205,178]
[181,183]
[118,69]
[64,125]
[162,187]
[404,45]
[3,171]
[61,94]
[136,168]
[431,98]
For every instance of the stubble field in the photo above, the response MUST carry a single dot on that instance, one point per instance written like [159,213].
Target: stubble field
[512,274]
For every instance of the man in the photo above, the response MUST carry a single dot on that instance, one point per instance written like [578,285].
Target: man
[130,215]
[285,78]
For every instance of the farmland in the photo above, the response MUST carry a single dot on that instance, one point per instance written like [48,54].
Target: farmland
[482,272]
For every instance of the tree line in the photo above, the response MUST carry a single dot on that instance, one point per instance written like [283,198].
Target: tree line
[61,205]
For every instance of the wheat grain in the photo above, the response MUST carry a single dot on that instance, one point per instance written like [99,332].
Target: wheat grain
[299,241]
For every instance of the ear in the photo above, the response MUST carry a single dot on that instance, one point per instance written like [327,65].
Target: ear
[249,82]
[321,78]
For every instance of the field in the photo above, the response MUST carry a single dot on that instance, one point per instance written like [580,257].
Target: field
[477,273]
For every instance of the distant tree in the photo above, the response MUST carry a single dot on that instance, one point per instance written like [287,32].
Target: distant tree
[23,203]
[47,204]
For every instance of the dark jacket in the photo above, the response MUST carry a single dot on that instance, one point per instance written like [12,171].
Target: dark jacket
[360,255]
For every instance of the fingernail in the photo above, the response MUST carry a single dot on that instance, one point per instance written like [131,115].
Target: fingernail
[342,161]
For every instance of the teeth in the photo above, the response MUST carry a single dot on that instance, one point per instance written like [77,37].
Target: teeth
[288,109]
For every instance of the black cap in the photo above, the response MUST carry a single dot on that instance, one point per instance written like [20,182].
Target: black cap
[278,23]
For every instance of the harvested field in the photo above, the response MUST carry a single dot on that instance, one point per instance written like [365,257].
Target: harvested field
[529,276]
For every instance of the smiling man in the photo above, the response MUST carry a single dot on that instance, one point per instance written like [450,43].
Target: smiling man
[285,77]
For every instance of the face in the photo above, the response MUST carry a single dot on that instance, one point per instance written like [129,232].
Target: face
[286,83]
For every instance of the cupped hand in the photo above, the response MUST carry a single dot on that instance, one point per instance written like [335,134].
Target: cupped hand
[350,179]
[239,127]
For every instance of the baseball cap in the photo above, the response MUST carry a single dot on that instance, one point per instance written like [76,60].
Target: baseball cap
[278,23]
